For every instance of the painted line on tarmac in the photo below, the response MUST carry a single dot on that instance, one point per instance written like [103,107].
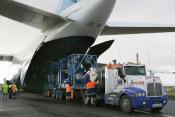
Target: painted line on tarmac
[164,115]
[142,111]
[168,115]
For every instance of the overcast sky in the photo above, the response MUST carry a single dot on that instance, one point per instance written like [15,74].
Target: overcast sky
[155,50]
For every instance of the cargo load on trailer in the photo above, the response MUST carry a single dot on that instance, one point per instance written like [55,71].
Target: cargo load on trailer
[70,70]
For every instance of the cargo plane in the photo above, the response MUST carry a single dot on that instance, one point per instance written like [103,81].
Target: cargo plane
[73,29]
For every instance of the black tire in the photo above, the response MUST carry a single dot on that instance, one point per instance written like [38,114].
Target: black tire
[53,96]
[156,110]
[56,97]
[44,93]
[60,97]
[125,104]
[99,103]
[48,93]
[56,94]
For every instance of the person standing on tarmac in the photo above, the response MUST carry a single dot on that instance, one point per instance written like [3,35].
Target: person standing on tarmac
[5,89]
[14,90]
[91,92]
[68,92]
[10,91]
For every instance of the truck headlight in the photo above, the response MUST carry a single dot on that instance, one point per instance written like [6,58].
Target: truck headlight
[164,101]
[141,94]
[137,94]
[144,102]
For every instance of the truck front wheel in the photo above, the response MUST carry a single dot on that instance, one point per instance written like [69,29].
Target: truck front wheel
[125,104]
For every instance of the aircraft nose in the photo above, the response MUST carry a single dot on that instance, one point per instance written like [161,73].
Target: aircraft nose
[88,9]
[104,5]
[108,1]
[91,14]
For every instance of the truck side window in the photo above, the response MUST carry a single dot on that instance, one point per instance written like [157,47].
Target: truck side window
[120,73]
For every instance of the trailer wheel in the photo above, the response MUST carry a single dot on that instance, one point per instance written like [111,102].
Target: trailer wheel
[44,93]
[60,97]
[48,93]
[56,97]
[125,104]
[98,103]
[56,94]
[156,110]
[53,96]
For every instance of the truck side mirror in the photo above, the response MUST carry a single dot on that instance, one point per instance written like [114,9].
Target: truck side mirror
[122,75]
[124,80]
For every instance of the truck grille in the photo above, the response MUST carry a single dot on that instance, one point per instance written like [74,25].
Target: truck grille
[154,89]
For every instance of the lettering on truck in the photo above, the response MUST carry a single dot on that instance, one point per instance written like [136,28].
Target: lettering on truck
[137,82]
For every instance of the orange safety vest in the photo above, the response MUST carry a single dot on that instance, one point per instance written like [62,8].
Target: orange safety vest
[14,88]
[114,66]
[91,85]
[68,88]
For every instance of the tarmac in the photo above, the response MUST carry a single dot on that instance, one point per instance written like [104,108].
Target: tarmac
[35,105]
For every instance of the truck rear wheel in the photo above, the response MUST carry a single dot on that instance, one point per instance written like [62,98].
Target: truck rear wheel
[156,110]
[99,103]
[60,95]
[125,104]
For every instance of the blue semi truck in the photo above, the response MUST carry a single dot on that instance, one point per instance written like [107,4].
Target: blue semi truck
[125,85]
[128,86]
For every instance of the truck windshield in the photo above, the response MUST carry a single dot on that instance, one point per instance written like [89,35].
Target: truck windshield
[135,70]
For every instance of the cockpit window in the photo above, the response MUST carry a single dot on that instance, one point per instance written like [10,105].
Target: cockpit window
[135,70]
[64,4]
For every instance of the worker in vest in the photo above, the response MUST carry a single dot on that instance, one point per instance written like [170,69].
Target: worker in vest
[14,90]
[93,74]
[10,91]
[91,92]
[68,92]
[5,89]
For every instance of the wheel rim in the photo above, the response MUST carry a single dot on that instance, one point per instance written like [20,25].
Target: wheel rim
[126,105]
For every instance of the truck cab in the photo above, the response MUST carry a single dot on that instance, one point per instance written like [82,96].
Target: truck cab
[128,86]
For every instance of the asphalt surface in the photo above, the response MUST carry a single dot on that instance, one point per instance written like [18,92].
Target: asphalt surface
[35,105]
